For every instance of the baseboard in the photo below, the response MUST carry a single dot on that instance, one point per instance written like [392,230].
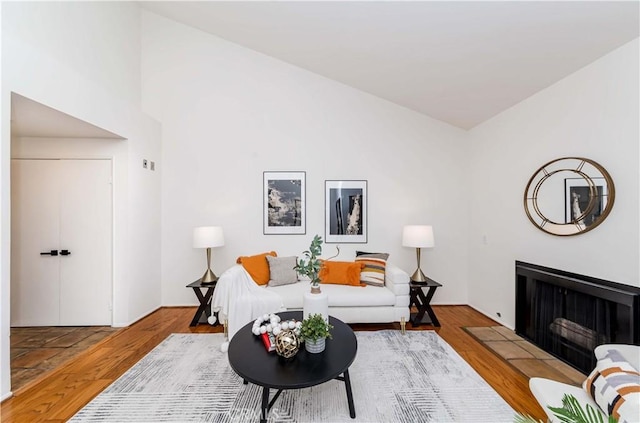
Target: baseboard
[6,396]
[492,317]
[179,305]
[142,316]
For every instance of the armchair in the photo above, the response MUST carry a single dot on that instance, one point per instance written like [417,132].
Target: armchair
[549,393]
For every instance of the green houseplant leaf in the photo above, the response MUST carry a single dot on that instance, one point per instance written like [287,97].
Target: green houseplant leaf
[570,412]
[315,327]
[522,418]
[310,264]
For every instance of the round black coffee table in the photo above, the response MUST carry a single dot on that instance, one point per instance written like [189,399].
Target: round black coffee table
[251,361]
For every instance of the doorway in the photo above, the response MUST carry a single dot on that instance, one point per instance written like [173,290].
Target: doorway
[61,245]
[39,131]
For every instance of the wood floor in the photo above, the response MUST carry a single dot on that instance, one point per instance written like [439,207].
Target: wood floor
[57,396]
[37,350]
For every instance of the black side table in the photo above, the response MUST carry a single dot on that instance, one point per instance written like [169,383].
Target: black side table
[205,300]
[422,302]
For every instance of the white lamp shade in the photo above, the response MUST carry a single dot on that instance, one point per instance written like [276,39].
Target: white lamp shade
[418,236]
[208,236]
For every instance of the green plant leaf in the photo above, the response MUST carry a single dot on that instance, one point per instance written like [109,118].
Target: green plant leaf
[310,265]
[525,418]
[572,412]
[315,327]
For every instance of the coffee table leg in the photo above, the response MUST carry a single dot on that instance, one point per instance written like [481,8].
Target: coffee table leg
[347,385]
[265,404]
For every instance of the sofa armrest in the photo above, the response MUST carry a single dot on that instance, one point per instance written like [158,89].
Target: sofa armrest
[396,279]
[549,393]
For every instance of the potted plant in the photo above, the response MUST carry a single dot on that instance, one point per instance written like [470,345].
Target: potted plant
[315,301]
[314,330]
[309,266]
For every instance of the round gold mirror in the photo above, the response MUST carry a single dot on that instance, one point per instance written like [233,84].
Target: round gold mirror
[569,196]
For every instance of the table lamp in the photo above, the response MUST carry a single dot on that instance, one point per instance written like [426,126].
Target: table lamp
[418,236]
[208,237]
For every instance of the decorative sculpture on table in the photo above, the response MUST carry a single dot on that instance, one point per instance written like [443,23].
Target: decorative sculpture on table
[270,326]
[287,343]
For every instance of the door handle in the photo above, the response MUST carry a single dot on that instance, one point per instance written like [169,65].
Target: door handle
[50,253]
[65,252]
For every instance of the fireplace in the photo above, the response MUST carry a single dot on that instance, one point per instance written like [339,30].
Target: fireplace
[568,315]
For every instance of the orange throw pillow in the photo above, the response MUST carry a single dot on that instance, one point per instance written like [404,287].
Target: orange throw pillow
[341,272]
[257,266]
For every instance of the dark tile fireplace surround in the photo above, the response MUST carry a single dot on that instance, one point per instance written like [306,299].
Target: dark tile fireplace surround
[568,315]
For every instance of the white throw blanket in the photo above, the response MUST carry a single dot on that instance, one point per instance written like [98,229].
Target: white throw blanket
[239,300]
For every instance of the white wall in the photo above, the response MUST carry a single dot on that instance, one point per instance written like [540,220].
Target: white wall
[229,113]
[99,40]
[41,61]
[593,113]
[5,228]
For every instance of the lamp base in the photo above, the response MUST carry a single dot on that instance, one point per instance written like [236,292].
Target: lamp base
[418,276]
[208,277]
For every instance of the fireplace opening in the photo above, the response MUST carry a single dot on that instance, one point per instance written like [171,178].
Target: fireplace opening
[574,335]
[568,315]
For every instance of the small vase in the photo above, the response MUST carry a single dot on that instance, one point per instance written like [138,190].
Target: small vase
[316,346]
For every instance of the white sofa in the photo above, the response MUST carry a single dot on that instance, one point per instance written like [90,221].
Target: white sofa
[238,299]
[356,304]
[549,393]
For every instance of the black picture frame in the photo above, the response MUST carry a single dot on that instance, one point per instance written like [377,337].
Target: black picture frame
[346,211]
[284,203]
[576,191]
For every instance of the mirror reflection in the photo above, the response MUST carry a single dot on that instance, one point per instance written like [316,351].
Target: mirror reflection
[569,196]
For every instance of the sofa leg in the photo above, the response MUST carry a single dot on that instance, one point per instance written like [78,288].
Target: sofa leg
[226,329]
[403,325]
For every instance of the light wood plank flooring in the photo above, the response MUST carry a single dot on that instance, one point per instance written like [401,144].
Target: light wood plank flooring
[61,393]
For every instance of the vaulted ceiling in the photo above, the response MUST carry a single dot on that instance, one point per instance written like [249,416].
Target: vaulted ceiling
[456,61]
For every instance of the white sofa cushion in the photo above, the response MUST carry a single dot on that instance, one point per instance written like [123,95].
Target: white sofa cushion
[339,295]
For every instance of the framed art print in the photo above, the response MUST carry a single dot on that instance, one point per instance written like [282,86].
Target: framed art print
[284,203]
[345,212]
[576,192]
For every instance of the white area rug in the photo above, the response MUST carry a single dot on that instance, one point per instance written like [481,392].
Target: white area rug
[413,378]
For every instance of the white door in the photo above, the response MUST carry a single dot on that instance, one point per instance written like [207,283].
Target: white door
[34,228]
[64,206]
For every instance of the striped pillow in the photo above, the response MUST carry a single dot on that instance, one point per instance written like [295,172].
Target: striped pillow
[374,268]
[615,386]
